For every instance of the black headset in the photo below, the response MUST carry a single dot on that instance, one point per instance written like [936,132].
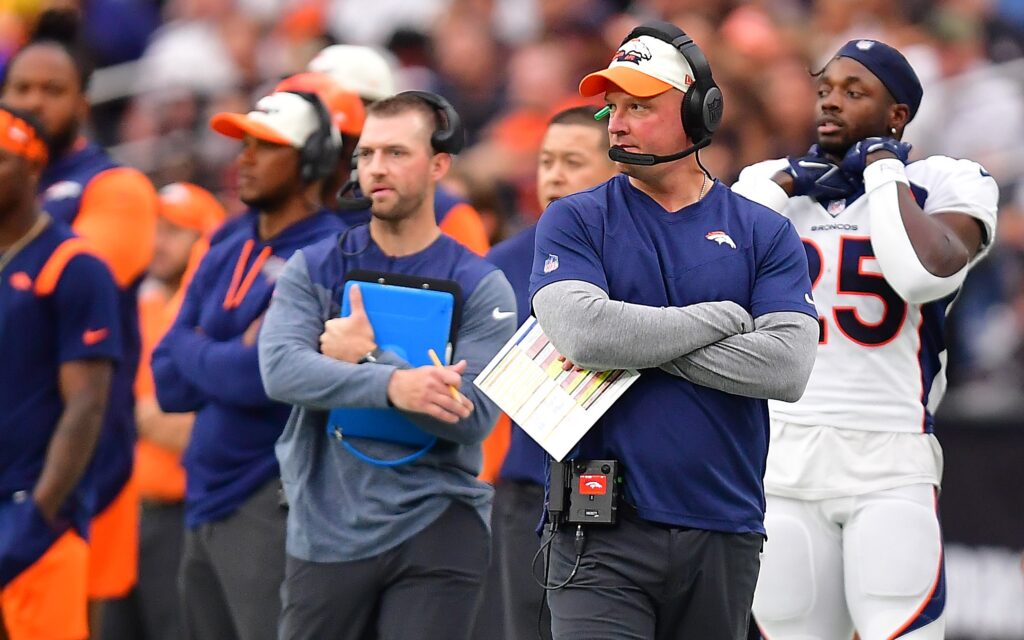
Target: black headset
[451,137]
[701,111]
[318,156]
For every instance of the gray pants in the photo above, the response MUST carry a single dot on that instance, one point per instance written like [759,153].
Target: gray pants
[643,581]
[152,610]
[517,510]
[426,588]
[232,570]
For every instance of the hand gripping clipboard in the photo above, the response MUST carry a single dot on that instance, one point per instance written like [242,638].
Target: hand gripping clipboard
[410,315]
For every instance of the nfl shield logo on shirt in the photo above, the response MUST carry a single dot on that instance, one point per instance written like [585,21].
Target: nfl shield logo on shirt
[836,207]
[551,263]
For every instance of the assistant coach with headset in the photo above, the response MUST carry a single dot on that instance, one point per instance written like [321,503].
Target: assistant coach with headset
[381,542]
[663,269]
[233,561]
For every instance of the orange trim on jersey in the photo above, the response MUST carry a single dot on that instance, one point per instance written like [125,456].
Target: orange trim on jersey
[49,275]
[494,448]
[114,547]
[463,224]
[47,601]
[935,584]
[237,290]
[118,218]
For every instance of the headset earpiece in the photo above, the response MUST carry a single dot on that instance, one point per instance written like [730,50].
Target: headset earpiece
[451,137]
[701,110]
[318,157]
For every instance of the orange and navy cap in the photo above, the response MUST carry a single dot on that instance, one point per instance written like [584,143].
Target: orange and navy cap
[280,118]
[643,67]
[346,107]
[191,207]
[21,137]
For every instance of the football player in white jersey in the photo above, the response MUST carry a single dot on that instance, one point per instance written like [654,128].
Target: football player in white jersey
[853,469]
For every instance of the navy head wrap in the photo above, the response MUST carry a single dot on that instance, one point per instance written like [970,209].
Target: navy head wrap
[890,67]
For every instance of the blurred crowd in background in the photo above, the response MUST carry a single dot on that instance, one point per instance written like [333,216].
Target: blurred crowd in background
[507,65]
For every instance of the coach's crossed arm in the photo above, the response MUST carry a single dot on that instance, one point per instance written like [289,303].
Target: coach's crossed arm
[774,361]
[596,332]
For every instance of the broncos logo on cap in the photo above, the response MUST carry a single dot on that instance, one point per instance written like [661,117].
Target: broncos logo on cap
[633,51]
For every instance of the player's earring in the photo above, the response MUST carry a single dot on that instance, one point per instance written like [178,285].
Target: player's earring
[893,130]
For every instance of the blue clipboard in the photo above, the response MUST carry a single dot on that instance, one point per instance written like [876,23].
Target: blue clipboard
[409,316]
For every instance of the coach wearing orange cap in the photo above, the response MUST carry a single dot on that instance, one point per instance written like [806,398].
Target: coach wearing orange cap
[662,268]
[59,345]
[233,561]
[347,114]
[188,215]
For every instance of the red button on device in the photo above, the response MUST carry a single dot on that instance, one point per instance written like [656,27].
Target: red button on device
[594,484]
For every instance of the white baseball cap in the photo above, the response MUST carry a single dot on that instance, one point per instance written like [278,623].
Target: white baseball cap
[282,118]
[644,67]
[364,70]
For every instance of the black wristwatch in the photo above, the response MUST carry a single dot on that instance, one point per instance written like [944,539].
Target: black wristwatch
[373,357]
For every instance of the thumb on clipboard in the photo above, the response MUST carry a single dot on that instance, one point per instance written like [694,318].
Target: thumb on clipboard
[355,299]
[349,339]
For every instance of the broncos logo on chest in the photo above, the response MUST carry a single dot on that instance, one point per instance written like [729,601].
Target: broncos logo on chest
[721,238]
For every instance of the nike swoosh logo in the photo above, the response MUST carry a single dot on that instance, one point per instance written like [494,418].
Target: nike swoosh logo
[94,336]
[807,297]
[498,314]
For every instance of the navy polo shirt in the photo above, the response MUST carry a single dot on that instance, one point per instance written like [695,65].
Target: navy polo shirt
[693,456]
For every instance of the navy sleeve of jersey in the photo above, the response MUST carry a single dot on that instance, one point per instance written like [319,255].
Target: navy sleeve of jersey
[565,249]
[782,282]
[88,322]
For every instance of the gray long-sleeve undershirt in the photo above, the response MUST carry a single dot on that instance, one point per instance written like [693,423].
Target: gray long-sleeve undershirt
[599,333]
[774,361]
[714,344]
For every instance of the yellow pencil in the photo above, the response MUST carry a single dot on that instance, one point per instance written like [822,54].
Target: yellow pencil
[437,363]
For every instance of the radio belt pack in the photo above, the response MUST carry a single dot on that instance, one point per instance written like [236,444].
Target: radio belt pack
[584,492]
